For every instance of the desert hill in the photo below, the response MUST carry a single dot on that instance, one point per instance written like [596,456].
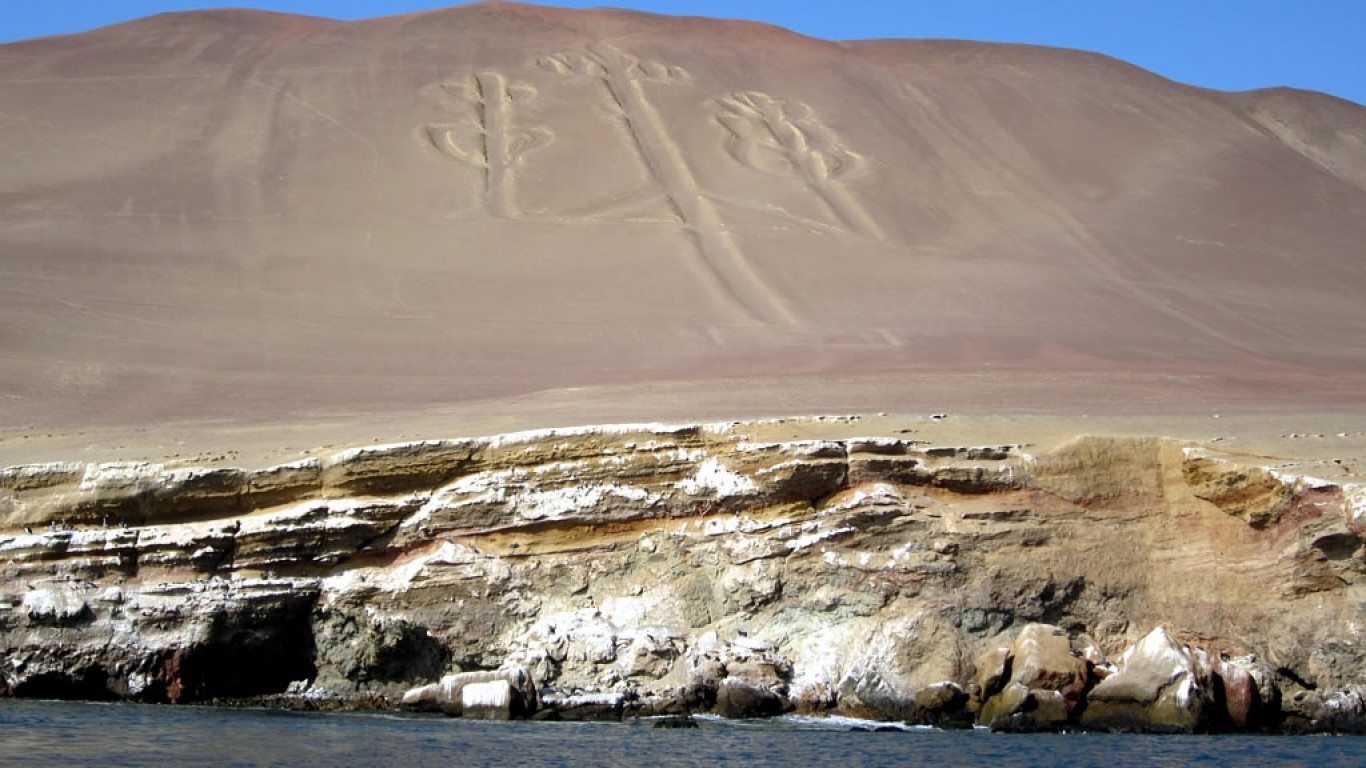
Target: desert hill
[246,216]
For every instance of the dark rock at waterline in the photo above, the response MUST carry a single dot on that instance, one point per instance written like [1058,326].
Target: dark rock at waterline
[676,721]
[254,650]
[1022,710]
[1340,711]
[1035,685]
[943,705]
[738,699]
[583,707]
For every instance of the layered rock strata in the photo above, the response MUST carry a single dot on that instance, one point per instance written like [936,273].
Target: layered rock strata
[670,569]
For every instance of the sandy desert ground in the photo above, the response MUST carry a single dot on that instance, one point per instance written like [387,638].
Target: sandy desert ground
[247,235]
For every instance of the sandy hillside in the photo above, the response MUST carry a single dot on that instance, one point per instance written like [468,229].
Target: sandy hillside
[501,216]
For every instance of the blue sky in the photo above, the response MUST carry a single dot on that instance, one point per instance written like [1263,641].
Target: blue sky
[1228,44]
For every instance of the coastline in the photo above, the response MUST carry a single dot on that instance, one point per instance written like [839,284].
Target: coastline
[762,516]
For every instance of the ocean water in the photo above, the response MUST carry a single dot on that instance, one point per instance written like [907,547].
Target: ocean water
[53,734]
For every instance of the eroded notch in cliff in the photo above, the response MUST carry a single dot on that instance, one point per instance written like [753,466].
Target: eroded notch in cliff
[256,650]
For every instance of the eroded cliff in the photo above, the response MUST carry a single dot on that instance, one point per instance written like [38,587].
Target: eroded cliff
[666,567]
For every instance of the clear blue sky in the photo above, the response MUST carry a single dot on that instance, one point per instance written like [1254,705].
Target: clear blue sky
[1229,44]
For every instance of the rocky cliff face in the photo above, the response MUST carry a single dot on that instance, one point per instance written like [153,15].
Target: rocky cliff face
[668,568]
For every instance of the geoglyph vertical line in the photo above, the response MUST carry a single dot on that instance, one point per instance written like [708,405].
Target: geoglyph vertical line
[496,104]
[785,138]
[622,75]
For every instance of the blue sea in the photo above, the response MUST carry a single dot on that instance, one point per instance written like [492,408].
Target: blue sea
[60,734]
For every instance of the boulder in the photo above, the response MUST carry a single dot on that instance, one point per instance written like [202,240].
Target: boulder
[943,704]
[1340,711]
[493,700]
[585,706]
[738,699]
[1247,692]
[1019,709]
[990,677]
[1161,686]
[448,695]
[1239,693]
[650,655]
[1037,685]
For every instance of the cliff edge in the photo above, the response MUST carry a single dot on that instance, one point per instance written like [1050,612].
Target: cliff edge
[666,568]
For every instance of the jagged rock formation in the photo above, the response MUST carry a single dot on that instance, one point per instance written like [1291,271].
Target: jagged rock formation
[655,568]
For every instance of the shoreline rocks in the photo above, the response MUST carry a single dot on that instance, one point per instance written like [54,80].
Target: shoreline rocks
[1037,684]
[647,570]
[499,695]
[1160,686]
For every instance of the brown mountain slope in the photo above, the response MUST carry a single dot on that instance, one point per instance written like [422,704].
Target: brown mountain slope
[246,216]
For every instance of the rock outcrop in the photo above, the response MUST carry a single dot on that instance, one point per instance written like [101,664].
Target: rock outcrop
[658,569]
[1340,711]
[1160,686]
[1047,681]
[492,695]
[1035,684]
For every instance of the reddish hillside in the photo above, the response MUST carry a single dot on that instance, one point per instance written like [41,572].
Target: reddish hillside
[243,215]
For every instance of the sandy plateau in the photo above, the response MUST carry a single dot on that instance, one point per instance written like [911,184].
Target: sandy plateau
[519,362]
